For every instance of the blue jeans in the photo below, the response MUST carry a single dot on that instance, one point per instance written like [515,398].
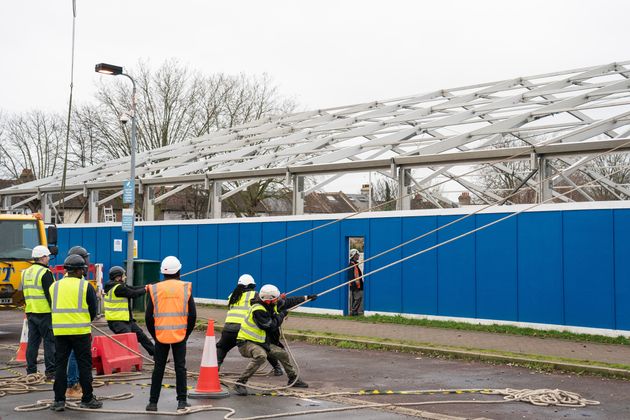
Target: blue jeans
[73,370]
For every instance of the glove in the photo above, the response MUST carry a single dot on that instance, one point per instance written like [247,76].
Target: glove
[283,296]
[311,297]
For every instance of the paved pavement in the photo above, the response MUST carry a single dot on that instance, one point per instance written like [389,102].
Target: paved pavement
[476,341]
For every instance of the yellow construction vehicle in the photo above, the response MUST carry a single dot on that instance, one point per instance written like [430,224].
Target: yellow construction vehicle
[19,233]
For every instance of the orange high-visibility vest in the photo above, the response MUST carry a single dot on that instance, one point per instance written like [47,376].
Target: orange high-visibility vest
[357,276]
[170,310]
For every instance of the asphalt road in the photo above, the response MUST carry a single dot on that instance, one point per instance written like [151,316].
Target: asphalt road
[329,369]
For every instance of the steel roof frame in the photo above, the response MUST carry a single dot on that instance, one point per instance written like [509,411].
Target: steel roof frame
[444,128]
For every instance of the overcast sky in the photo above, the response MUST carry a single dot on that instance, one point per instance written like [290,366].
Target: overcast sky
[322,53]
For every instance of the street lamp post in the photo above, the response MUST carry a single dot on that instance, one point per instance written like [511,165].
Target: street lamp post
[112,70]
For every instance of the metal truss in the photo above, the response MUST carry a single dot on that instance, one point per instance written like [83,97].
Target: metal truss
[567,115]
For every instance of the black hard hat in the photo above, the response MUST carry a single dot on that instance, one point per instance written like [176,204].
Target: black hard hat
[74,262]
[79,250]
[116,271]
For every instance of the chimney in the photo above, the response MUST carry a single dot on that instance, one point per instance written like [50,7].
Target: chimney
[365,189]
[464,199]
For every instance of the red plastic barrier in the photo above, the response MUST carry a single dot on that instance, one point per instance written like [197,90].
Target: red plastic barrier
[109,357]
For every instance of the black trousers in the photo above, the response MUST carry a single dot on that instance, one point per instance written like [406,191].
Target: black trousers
[82,346]
[40,328]
[179,357]
[122,327]
[228,341]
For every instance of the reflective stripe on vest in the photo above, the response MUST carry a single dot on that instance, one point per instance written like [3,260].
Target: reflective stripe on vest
[31,285]
[249,330]
[238,312]
[70,313]
[170,310]
[116,308]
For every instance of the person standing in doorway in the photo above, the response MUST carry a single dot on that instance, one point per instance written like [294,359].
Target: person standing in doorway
[355,277]
[36,281]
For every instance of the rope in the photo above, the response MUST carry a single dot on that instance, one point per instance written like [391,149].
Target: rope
[539,397]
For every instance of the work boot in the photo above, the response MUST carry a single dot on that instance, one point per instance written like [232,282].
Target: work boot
[93,403]
[298,383]
[74,392]
[58,406]
[277,370]
[240,388]
[182,405]
[151,407]
[50,376]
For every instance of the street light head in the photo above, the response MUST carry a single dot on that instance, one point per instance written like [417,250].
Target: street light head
[110,69]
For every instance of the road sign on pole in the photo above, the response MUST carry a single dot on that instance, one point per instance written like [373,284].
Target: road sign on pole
[128,192]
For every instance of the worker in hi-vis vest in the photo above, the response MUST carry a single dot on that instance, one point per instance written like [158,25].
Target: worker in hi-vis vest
[238,307]
[117,305]
[73,306]
[170,318]
[36,281]
[263,322]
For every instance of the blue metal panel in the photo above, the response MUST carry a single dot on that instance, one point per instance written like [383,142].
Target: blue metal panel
[89,243]
[383,289]
[274,258]
[588,268]
[622,269]
[150,246]
[496,268]
[540,268]
[250,237]
[117,258]
[299,255]
[456,269]
[207,254]
[419,274]
[169,241]
[188,252]
[227,273]
[327,258]
[63,243]
[76,238]
[102,248]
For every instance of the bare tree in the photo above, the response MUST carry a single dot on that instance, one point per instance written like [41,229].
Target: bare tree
[174,103]
[33,140]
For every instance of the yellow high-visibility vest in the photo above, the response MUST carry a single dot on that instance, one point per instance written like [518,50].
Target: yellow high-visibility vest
[116,308]
[31,286]
[70,313]
[238,312]
[249,330]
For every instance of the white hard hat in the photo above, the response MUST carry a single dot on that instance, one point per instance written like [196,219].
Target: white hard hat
[246,280]
[353,252]
[170,265]
[40,251]
[269,292]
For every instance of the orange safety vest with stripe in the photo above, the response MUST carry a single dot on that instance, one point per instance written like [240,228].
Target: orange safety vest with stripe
[170,310]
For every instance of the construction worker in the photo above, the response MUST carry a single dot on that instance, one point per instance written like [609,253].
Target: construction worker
[238,307]
[117,304]
[355,276]
[170,319]
[73,306]
[254,338]
[74,388]
[36,281]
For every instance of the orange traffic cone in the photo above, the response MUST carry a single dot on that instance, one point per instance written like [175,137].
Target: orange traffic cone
[21,353]
[208,385]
